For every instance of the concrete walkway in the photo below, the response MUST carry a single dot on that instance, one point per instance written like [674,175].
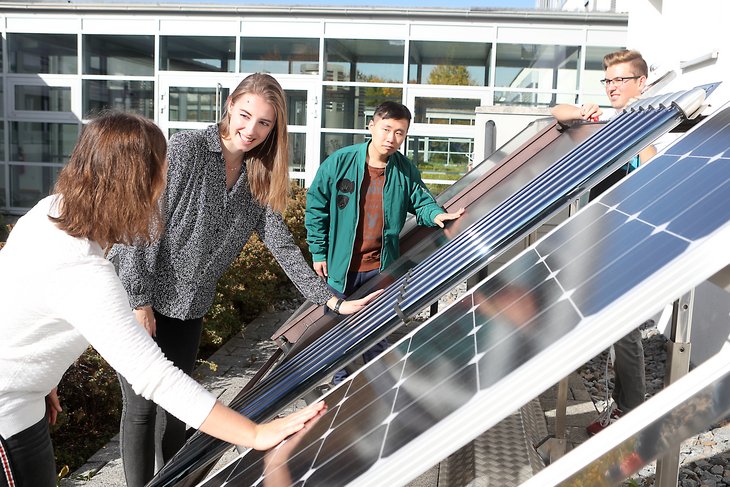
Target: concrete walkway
[244,355]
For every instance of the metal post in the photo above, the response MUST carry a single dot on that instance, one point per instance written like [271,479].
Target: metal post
[490,139]
[678,355]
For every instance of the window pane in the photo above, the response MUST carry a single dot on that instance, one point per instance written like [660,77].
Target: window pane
[594,68]
[43,53]
[42,142]
[297,151]
[296,107]
[449,63]
[533,99]
[119,55]
[43,98]
[3,201]
[196,104]
[197,53]
[537,66]
[30,184]
[440,158]
[332,142]
[279,55]
[446,111]
[364,60]
[352,107]
[137,96]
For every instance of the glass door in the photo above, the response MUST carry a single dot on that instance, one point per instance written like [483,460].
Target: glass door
[188,102]
[302,101]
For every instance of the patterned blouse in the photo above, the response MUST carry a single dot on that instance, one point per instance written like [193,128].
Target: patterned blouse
[205,229]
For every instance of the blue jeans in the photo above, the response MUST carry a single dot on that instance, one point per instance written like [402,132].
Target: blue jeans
[179,341]
[30,457]
[354,281]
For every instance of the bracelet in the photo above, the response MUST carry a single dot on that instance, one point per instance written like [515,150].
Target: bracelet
[339,302]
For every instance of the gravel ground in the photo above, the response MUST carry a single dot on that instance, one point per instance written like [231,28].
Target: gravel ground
[705,458]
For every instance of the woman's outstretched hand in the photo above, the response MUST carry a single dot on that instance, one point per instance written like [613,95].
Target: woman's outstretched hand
[270,434]
[349,307]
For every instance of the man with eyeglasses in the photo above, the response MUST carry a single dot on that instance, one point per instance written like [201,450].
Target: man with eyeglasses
[625,79]
[358,202]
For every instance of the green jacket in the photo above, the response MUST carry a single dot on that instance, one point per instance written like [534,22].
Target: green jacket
[333,211]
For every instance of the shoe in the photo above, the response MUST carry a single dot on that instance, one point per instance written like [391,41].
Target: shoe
[609,416]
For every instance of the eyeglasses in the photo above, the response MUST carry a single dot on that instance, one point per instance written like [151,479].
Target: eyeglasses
[618,81]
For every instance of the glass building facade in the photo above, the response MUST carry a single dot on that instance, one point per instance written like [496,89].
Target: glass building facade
[61,66]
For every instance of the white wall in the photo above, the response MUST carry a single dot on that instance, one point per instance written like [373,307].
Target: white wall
[508,120]
[668,32]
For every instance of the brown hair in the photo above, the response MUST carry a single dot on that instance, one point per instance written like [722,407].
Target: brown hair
[113,180]
[638,64]
[267,165]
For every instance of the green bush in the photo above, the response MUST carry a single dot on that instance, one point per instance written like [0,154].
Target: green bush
[91,401]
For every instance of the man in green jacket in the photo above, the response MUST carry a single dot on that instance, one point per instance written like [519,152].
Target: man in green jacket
[358,201]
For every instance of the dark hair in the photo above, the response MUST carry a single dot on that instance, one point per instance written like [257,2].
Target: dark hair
[113,180]
[267,165]
[638,64]
[391,109]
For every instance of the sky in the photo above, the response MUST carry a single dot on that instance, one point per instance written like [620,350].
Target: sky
[518,4]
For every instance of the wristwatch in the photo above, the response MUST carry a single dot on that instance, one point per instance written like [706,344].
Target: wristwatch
[339,302]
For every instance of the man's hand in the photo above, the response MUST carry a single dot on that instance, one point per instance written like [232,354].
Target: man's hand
[53,406]
[443,217]
[320,268]
[146,317]
[566,113]
[590,111]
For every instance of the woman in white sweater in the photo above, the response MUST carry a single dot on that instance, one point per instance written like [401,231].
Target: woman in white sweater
[58,294]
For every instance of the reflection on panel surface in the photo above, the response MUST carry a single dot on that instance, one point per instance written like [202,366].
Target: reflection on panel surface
[469,251]
[460,373]
[691,405]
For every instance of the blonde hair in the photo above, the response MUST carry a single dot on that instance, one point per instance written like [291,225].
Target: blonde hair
[112,182]
[267,165]
[638,64]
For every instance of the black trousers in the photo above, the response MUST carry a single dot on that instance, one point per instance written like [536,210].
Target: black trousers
[179,341]
[26,458]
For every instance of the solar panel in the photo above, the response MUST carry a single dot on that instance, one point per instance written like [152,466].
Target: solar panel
[573,174]
[479,191]
[660,232]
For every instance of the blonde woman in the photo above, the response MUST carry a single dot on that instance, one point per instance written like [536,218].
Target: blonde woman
[223,183]
[59,294]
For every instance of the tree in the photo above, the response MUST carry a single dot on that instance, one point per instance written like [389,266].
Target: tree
[448,74]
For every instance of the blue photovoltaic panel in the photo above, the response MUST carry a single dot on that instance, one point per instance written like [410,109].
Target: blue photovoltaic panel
[573,174]
[658,233]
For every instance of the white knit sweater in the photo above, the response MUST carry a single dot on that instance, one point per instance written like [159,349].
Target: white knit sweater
[58,294]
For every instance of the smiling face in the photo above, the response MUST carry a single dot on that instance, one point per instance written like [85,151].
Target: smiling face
[251,120]
[388,135]
[620,94]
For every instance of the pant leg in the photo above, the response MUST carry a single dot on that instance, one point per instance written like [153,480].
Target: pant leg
[179,341]
[354,281]
[137,436]
[26,458]
[630,378]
